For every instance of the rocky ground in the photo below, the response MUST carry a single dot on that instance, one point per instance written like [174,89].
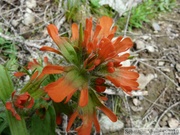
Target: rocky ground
[156,54]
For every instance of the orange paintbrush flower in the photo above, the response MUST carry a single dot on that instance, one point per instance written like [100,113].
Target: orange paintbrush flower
[19,101]
[90,58]
[23,100]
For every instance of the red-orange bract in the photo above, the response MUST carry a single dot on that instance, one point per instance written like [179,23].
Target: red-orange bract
[92,56]
[20,101]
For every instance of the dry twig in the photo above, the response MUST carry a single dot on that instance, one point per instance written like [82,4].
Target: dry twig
[168,109]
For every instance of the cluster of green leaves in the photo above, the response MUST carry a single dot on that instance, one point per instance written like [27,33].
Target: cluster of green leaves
[4,128]
[166,5]
[140,14]
[98,10]
[8,53]
[146,11]
[33,121]
[76,10]
[7,49]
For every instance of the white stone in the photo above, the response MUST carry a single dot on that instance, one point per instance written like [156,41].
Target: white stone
[136,109]
[178,67]
[162,123]
[121,6]
[14,23]
[29,18]
[146,37]
[108,126]
[144,80]
[140,45]
[178,89]
[165,118]
[31,3]
[28,10]
[150,48]
[136,102]
[169,115]
[139,93]
[173,123]
[166,69]
[114,4]
[156,26]
[161,63]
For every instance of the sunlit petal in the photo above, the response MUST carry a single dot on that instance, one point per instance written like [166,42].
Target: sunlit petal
[53,32]
[71,120]
[47,48]
[83,100]
[53,69]
[75,32]
[19,74]
[109,113]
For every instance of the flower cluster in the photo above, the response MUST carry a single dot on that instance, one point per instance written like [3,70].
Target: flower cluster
[90,57]
[19,101]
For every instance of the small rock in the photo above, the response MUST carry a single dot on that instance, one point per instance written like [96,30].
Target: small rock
[155,32]
[111,91]
[162,123]
[108,126]
[172,65]
[178,89]
[178,67]
[173,123]
[140,45]
[169,115]
[141,97]
[165,118]
[31,3]
[139,93]
[154,113]
[29,18]
[28,10]
[156,26]
[161,63]
[150,48]
[146,37]
[14,23]
[177,77]
[144,80]
[136,102]
[166,69]
[136,109]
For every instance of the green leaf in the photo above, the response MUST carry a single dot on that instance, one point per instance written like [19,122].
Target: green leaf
[6,85]
[2,41]
[45,125]
[63,108]
[95,3]
[12,64]
[3,122]
[38,93]
[69,52]
[17,127]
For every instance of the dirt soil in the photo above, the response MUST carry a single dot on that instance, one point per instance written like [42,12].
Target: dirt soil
[159,59]
[156,55]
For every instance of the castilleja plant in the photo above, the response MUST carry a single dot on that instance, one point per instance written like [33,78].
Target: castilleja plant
[90,58]
[19,103]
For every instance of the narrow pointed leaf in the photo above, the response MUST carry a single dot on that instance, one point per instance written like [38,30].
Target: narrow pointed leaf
[6,85]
